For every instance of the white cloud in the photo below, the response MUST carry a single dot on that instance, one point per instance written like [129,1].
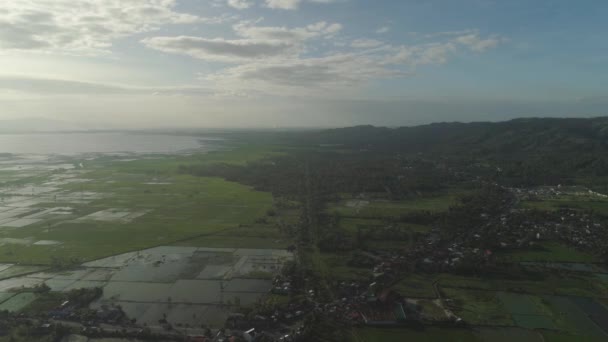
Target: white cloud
[240,4]
[20,84]
[309,76]
[84,26]
[478,44]
[256,42]
[283,4]
[365,43]
[294,4]
[219,49]
[382,30]
[279,60]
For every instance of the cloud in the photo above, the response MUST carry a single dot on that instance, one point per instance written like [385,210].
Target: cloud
[287,60]
[256,42]
[365,43]
[283,4]
[477,44]
[323,76]
[85,26]
[240,4]
[219,49]
[295,4]
[383,29]
[248,29]
[54,86]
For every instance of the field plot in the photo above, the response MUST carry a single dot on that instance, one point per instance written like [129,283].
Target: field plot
[598,205]
[550,252]
[527,311]
[18,302]
[338,267]
[113,207]
[16,270]
[417,286]
[550,336]
[478,307]
[566,266]
[5,295]
[572,318]
[426,335]
[205,282]
[540,283]
[508,335]
[114,215]
[88,207]
[596,311]
[383,208]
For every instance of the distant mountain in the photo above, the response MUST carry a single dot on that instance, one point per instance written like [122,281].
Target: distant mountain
[522,151]
[534,135]
[27,125]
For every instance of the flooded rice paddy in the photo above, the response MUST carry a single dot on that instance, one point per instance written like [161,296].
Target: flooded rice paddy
[39,195]
[188,285]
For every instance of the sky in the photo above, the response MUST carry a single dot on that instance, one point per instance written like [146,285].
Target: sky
[300,63]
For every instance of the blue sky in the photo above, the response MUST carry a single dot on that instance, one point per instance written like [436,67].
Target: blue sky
[273,63]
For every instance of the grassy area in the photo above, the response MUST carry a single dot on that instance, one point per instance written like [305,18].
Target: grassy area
[417,286]
[17,270]
[352,225]
[508,335]
[551,283]
[391,209]
[177,207]
[44,303]
[571,318]
[551,336]
[549,252]
[528,311]
[597,205]
[18,302]
[478,307]
[338,269]
[431,310]
[426,335]
[25,333]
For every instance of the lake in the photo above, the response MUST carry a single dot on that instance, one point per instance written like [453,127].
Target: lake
[77,143]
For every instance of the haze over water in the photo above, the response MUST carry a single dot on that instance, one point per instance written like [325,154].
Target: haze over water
[78,143]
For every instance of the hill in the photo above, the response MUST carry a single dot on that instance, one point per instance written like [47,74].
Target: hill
[536,135]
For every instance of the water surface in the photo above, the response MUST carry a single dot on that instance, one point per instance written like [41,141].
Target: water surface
[78,143]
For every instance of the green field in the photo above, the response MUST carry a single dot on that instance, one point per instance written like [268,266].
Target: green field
[338,268]
[463,335]
[478,307]
[550,283]
[528,311]
[417,286]
[599,206]
[400,335]
[571,318]
[549,336]
[392,209]
[18,302]
[549,252]
[177,209]
[508,335]
[17,270]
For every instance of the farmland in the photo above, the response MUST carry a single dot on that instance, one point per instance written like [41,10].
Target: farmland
[114,205]
[249,232]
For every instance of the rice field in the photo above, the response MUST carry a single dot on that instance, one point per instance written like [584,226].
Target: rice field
[111,205]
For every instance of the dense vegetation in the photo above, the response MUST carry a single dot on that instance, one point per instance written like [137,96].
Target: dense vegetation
[470,217]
